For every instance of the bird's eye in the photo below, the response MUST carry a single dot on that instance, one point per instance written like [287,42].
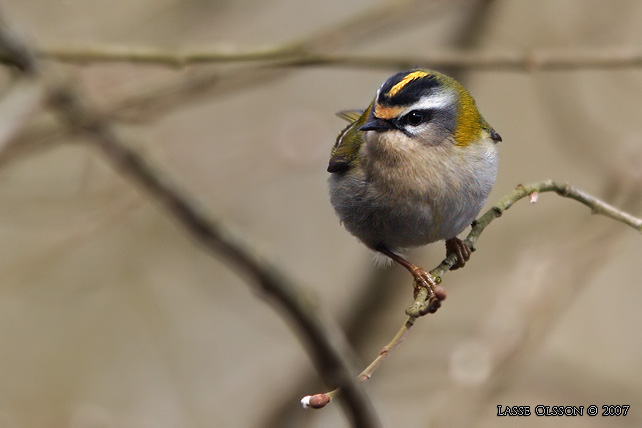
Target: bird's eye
[415,118]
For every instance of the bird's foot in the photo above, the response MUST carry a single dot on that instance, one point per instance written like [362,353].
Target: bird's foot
[459,247]
[424,280]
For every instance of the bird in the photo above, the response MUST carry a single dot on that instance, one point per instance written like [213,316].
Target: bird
[415,167]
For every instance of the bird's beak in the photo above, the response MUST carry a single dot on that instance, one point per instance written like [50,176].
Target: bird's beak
[376,124]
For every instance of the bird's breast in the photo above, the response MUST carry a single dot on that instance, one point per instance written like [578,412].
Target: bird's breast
[419,194]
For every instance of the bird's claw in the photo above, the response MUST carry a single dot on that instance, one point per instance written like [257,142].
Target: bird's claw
[461,249]
[423,278]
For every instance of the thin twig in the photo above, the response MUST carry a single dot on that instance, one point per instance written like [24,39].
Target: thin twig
[169,96]
[295,55]
[145,55]
[566,190]
[422,305]
[526,310]
[156,101]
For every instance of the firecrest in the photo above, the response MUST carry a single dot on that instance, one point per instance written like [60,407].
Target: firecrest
[415,167]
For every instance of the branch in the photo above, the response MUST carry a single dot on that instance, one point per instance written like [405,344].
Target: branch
[324,346]
[566,190]
[423,304]
[325,349]
[363,25]
[300,54]
[171,95]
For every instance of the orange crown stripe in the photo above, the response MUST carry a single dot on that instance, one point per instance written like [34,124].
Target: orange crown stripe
[403,82]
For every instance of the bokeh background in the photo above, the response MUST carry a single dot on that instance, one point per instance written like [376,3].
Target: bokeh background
[111,316]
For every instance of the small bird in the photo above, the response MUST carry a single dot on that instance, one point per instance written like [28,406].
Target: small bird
[415,167]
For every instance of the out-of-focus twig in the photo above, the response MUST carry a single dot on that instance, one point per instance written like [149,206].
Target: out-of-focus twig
[327,351]
[296,55]
[141,105]
[326,348]
[150,103]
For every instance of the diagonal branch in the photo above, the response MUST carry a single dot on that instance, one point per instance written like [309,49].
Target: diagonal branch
[532,191]
[325,346]
[424,304]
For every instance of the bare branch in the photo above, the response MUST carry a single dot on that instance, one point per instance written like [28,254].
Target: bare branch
[424,301]
[325,347]
[326,350]
[296,55]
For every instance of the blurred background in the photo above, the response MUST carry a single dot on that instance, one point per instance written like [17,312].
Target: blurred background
[111,316]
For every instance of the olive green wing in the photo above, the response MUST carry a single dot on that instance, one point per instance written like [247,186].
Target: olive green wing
[350,115]
[345,152]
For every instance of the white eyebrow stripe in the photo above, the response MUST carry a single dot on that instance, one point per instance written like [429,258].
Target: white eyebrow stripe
[437,100]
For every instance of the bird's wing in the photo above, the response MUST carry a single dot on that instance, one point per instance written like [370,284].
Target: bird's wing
[346,149]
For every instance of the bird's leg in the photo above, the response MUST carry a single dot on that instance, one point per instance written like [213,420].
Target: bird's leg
[422,278]
[459,247]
